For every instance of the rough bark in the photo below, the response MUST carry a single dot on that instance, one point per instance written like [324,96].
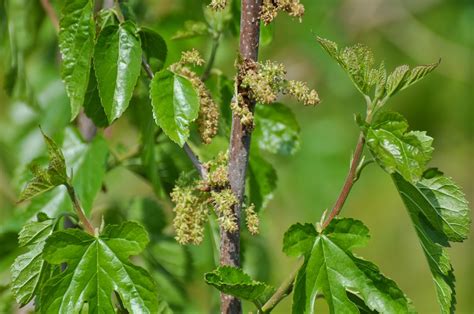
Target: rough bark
[240,147]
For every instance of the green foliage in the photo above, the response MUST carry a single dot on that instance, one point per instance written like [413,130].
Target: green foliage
[30,271]
[76,42]
[117,64]
[234,281]
[96,267]
[331,270]
[45,180]
[175,104]
[154,48]
[395,149]
[262,182]
[277,129]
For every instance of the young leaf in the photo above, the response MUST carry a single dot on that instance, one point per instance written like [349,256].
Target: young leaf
[402,77]
[117,64]
[175,104]
[234,281]
[96,267]
[154,47]
[262,180]
[76,42]
[277,130]
[30,269]
[395,149]
[332,270]
[46,179]
[439,213]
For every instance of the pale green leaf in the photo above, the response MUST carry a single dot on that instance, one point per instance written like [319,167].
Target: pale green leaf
[262,181]
[30,269]
[76,42]
[396,78]
[46,179]
[437,208]
[395,149]
[96,267]
[117,64]
[330,47]
[234,281]
[276,129]
[418,73]
[175,104]
[331,270]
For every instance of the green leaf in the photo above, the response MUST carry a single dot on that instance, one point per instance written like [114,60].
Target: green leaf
[88,163]
[154,48]
[46,179]
[29,269]
[175,104]
[396,78]
[402,77]
[117,64]
[96,267]
[331,270]
[262,181]
[437,208]
[395,149]
[277,130]
[234,281]
[92,104]
[76,42]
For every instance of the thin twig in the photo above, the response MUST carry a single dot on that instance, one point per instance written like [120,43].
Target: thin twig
[212,58]
[48,8]
[80,212]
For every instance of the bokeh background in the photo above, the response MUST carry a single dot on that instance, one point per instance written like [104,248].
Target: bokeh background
[399,32]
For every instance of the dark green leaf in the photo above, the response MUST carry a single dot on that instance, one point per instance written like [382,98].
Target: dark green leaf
[331,270]
[175,104]
[92,104]
[426,202]
[277,130]
[262,182]
[76,42]
[154,48]
[96,267]
[117,64]
[234,281]
[395,149]
[30,269]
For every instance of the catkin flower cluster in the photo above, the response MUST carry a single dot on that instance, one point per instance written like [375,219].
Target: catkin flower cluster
[208,120]
[270,9]
[218,4]
[251,219]
[267,80]
[194,200]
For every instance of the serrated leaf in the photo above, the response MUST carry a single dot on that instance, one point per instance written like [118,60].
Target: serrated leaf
[395,149]
[330,47]
[96,267]
[396,78]
[154,47]
[117,64]
[277,130]
[46,179]
[233,281]
[175,104]
[262,182]
[76,43]
[418,73]
[332,270]
[426,202]
[30,269]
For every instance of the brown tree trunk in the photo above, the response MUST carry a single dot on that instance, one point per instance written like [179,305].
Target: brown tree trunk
[240,147]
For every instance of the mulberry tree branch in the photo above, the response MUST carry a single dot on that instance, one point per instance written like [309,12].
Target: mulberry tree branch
[240,145]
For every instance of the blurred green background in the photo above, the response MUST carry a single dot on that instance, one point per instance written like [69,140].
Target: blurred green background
[398,31]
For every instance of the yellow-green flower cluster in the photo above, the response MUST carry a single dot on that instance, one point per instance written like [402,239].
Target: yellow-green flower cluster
[208,120]
[240,108]
[267,80]
[270,9]
[191,214]
[223,202]
[218,4]
[251,219]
